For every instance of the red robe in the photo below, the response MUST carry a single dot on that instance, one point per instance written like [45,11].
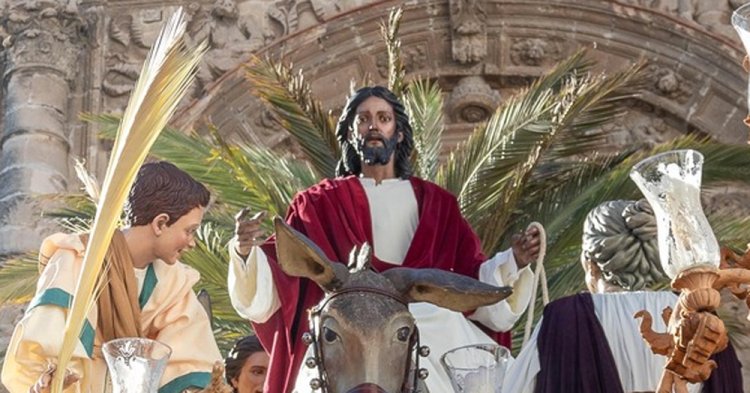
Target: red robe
[335,215]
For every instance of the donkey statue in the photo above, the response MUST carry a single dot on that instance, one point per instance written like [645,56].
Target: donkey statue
[362,335]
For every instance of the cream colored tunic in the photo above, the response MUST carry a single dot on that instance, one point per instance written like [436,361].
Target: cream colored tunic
[170,314]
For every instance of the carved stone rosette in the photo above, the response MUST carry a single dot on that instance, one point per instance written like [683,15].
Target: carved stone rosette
[535,52]
[472,100]
[667,83]
[42,49]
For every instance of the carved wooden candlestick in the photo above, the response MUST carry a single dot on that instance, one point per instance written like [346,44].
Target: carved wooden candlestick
[691,256]
[694,332]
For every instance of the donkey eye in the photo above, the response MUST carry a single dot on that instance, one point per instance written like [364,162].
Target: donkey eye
[403,334]
[329,335]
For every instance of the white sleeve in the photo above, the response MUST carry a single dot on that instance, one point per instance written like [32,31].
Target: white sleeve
[501,270]
[250,285]
[522,372]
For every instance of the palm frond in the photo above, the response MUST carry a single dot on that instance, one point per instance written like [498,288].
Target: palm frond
[503,155]
[730,230]
[269,180]
[290,98]
[529,110]
[209,259]
[18,279]
[90,184]
[389,33]
[164,79]
[722,163]
[193,153]
[424,104]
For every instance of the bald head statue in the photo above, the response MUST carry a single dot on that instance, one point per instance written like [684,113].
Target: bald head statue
[620,250]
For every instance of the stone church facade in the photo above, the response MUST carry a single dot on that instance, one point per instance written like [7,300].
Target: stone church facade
[63,57]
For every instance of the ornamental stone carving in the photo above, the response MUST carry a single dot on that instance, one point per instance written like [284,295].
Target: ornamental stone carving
[231,37]
[468,31]
[39,33]
[714,15]
[289,16]
[534,52]
[667,83]
[414,59]
[472,100]
[641,127]
[130,36]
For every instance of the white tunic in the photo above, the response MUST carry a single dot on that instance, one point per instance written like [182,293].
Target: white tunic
[639,369]
[395,216]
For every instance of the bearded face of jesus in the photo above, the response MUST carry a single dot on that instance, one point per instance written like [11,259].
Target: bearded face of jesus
[374,134]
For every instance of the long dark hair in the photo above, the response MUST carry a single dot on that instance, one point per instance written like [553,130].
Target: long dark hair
[236,357]
[350,162]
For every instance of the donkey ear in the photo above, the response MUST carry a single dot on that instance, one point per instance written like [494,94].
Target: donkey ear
[298,256]
[445,289]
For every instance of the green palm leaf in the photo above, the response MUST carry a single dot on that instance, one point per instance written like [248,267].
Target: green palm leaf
[290,98]
[424,104]
[491,171]
[269,180]
[389,33]
[193,153]
[18,279]
[723,163]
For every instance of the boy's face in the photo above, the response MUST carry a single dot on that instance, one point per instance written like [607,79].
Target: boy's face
[179,237]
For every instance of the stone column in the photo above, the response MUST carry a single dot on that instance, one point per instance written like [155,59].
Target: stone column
[42,47]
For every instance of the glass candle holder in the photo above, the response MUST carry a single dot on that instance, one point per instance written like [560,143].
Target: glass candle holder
[135,364]
[671,182]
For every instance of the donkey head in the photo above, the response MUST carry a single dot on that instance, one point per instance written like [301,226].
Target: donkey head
[365,331]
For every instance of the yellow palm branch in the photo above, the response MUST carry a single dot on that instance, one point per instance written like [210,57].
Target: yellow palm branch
[168,71]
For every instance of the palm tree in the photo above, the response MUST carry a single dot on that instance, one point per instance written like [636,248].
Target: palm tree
[538,157]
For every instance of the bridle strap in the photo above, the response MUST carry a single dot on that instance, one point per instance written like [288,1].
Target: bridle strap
[319,307]
[317,349]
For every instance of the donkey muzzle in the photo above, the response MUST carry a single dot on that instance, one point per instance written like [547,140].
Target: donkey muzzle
[367,388]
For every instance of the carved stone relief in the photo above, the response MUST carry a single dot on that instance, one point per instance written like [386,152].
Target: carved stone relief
[414,59]
[468,31]
[472,100]
[714,15]
[641,127]
[40,33]
[130,36]
[535,52]
[665,82]
[231,37]
[289,16]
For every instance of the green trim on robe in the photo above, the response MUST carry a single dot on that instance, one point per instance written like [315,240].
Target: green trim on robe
[198,379]
[60,298]
[149,283]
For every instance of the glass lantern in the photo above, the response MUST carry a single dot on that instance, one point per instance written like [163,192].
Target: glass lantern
[671,182]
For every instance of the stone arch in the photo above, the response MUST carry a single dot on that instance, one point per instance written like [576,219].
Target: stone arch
[694,79]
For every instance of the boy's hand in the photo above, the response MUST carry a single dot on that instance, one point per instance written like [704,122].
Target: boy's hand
[247,231]
[44,383]
[526,246]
